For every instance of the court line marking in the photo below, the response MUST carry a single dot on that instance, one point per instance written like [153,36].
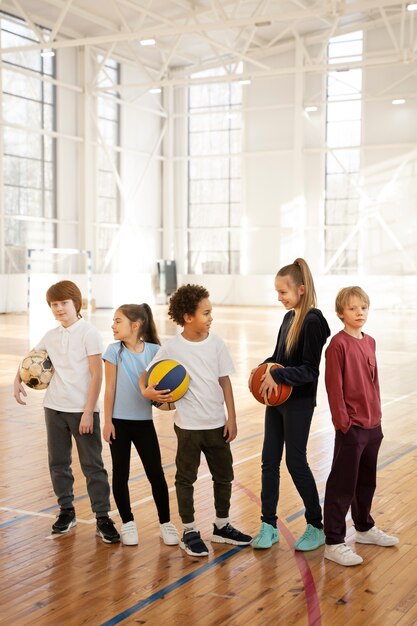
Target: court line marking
[313,603]
[171,489]
[160,595]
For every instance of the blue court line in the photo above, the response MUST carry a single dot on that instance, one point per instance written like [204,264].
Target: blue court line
[298,514]
[16,520]
[160,595]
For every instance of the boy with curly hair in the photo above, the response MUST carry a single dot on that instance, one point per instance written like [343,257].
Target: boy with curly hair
[201,422]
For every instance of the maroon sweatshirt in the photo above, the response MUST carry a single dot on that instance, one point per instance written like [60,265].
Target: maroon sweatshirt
[352,382]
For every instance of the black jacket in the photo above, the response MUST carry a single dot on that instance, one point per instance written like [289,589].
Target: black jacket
[301,367]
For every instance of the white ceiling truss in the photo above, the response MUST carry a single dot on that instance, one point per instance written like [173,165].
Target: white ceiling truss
[196,35]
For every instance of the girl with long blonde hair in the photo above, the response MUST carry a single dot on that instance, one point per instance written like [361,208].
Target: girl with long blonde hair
[300,342]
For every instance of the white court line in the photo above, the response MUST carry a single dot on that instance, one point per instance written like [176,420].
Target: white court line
[399,399]
[202,477]
[36,514]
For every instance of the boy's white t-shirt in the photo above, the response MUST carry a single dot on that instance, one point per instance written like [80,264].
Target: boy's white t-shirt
[69,349]
[202,406]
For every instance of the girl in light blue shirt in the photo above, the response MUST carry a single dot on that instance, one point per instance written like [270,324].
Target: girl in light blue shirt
[128,417]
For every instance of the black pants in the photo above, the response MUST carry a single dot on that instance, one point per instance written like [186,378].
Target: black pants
[288,424]
[351,482]
[143,436]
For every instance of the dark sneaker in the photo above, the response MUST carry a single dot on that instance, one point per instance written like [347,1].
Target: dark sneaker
[228,534]
[64,521]
[106,530]
[192,543]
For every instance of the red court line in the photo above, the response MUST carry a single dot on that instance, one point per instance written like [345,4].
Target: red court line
[312,600]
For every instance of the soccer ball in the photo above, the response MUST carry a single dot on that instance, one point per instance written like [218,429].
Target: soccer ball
[36,369]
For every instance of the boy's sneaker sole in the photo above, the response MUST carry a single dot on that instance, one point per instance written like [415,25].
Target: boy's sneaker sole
[189,551]
[107,539]
[195,540]
[56,531]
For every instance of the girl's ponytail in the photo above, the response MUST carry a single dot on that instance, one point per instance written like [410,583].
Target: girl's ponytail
[300,274]
[142,313]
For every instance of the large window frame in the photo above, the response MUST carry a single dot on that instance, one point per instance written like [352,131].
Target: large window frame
[108,164]
[343,140]
[214,172]
[29,146]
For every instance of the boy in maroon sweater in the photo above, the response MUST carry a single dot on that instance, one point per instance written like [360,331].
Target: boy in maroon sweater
[353,390]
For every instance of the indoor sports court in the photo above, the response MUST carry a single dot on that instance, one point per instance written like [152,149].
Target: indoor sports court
[148,144]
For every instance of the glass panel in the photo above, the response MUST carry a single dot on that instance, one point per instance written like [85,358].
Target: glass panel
[209,191]
[342,212]
[106,185]
[107,210]
[30,59]
[109,131]
[209,239]
[21,143]
[19,85]
[214,184]
[344,83]
[341,186]
[107,109]
[204,215]
[209,143]
[209,168]
[18,110]
[343,134]
[338,161]
[49,148]
[49,204]
[29,168]
[342,111]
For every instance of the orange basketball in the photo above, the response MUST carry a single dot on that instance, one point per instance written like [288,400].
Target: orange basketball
[283,393]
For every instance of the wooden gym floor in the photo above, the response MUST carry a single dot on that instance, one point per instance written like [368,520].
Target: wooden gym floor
[76,579]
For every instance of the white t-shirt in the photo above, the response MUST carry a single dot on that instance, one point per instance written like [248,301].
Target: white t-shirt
[69,349]
[202,406]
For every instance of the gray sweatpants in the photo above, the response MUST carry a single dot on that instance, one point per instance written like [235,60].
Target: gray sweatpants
[60,428]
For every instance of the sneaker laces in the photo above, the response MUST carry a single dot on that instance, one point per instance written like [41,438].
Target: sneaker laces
[310,532]
[344,549]
[105,523]
[264,531]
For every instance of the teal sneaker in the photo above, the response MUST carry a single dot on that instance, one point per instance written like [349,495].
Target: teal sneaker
[311,539]
[267,536]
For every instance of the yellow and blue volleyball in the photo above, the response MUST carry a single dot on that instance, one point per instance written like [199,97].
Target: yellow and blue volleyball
[169,374]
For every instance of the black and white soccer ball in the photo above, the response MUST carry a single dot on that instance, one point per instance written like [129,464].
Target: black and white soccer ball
[36,369]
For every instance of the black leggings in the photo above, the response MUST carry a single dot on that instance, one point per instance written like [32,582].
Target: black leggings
[143,436]
[288,424]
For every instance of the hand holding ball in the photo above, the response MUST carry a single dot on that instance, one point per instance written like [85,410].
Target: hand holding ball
[255,382]
[169,374]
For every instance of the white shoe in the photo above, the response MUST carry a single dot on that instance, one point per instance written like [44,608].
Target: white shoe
[376,537]
[342,554]
[169,534]
[129,534]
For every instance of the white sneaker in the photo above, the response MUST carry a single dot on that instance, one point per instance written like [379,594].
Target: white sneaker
[129,534]
[342,554]
[169,534]
[376,537]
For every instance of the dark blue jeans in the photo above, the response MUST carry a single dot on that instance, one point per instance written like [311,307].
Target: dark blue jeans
[288,424]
